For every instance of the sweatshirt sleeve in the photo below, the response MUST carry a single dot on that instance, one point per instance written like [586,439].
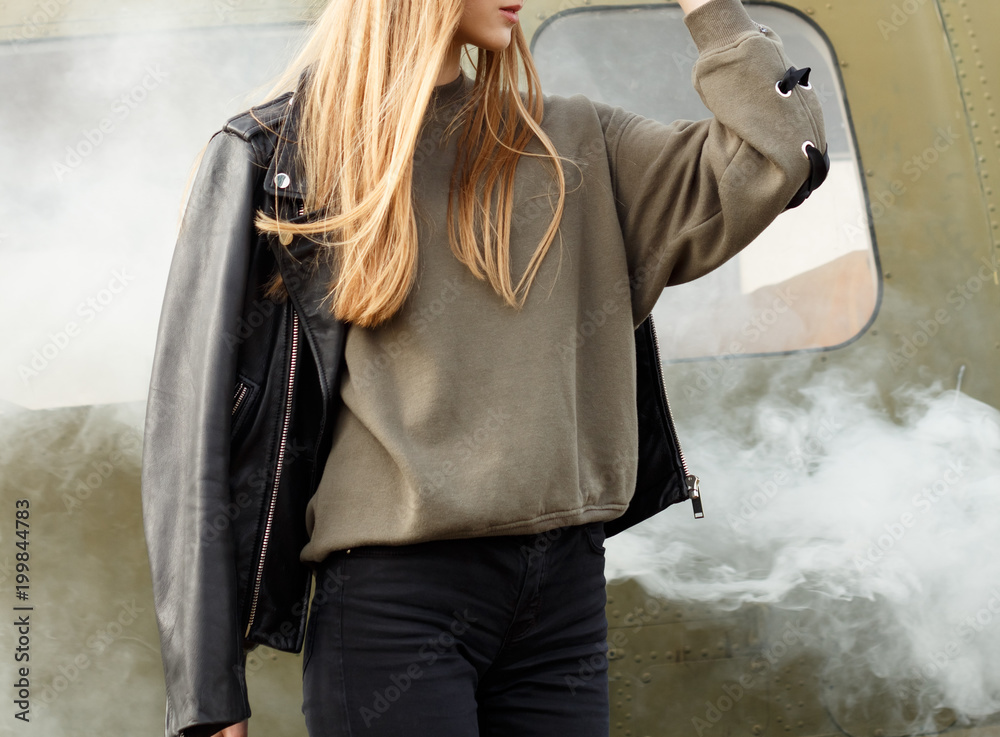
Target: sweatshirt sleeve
[691,195]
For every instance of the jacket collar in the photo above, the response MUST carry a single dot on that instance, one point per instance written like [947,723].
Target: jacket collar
[284,175]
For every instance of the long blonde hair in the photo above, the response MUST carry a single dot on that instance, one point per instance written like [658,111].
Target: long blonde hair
[372,67]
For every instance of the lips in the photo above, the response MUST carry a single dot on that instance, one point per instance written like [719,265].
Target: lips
[510,12]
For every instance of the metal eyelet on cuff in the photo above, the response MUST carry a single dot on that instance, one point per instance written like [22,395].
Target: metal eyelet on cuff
[777,86]
[804,145]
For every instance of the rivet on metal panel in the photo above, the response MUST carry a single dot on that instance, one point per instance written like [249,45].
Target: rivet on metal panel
[646,677]
[757,729]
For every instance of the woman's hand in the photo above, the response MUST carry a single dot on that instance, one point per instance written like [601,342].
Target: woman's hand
[237,730]
[688,5]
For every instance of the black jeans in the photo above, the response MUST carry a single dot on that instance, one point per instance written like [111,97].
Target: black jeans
[492,637]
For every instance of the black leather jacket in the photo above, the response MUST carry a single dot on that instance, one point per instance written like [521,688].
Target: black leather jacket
[242,400]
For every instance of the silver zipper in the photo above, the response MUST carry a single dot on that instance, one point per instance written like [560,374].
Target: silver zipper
[692,482]
[241,393]
[293,359]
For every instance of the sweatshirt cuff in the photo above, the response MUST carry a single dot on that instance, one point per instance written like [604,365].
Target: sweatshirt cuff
[718,23]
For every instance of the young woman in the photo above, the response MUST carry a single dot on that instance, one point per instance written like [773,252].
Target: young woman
[483,422]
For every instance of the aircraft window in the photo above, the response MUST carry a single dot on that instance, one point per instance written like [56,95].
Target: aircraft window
[100,134]
[810,280]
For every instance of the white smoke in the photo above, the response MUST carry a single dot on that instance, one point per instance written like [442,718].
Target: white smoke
[880,527]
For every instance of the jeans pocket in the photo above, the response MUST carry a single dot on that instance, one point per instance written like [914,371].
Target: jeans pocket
[595,536]
[307,648]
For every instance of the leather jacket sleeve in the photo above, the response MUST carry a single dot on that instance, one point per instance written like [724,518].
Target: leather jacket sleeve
[185,481]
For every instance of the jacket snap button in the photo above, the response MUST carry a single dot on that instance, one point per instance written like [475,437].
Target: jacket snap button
[281,181]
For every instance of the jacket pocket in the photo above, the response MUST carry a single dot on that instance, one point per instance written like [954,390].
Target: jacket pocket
[244,394]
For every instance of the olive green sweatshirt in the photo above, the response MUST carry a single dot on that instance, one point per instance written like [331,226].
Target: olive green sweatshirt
[464,417]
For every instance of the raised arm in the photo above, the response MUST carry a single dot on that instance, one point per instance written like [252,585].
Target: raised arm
[691,195]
